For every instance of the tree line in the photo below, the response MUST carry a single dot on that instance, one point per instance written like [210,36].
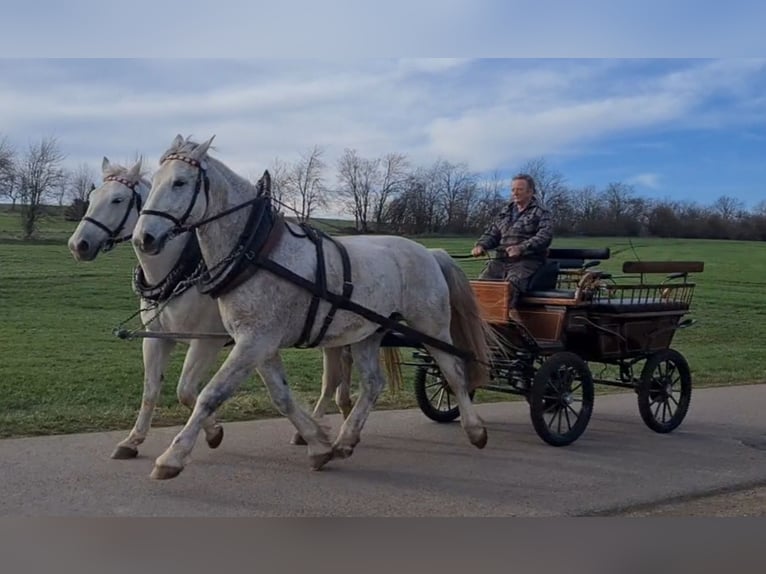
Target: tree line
[389,194]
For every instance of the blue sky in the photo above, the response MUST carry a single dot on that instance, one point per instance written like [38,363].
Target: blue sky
[637,112]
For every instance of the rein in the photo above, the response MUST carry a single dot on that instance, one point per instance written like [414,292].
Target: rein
[113,235]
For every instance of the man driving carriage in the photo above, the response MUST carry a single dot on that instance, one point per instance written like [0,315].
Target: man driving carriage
[521,235]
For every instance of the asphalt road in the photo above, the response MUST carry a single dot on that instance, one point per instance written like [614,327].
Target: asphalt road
[407,465]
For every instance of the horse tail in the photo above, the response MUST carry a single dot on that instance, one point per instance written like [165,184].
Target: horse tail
[392,363]
[469,330]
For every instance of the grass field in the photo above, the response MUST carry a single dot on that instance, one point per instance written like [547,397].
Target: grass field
[62,370]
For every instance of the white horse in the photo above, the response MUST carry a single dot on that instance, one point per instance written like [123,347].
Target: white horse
[111,216]
[391,276]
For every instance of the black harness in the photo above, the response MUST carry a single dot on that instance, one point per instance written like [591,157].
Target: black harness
[189,263]
[261,233]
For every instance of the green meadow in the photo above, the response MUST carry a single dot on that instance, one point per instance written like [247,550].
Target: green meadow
[62,370]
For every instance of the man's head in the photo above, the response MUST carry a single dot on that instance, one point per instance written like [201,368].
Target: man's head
[522,189]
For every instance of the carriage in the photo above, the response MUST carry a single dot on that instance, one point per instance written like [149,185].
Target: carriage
[419,298]
[576,315]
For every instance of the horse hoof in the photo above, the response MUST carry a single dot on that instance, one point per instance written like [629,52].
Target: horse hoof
[343,451]
[216,440]
[481,441]
[298,439]
[124,453]
[319,460]
[165,472]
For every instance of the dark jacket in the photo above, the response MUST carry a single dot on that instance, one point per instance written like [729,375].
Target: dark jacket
[531,228]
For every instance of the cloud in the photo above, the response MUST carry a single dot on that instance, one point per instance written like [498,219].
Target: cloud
[491,114]
[650,180]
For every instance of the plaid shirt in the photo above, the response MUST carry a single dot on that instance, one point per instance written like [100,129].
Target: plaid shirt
[531,228]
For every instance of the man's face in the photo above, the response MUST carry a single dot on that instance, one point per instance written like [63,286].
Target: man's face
[520,192]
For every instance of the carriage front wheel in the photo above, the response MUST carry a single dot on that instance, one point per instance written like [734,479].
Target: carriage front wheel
[434,396]
[561,399]
[664,391]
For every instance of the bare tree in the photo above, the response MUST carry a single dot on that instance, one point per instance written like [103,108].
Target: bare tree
[304,183]
[61,189]
[39,174]
[729,208]
[358,178]
[550,184]
[81,183]
[8,180]
[456,188]
[394,168]
[490,201]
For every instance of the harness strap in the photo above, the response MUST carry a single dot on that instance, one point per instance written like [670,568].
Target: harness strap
[348,289]
[254,238]
[320,291]
[349,305]
[185,266]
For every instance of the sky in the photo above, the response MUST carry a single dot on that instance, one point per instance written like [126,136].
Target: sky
[678,120]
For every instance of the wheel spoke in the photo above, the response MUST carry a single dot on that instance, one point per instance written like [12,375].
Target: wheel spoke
[441,399]
[569,423]
[574,412]
[551,407]
[433,396]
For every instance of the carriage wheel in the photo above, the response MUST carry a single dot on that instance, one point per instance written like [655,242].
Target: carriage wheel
[434,396]
[664,391]
[561,399]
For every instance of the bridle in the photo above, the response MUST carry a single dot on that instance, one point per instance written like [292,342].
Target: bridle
[113,237]
[202,182]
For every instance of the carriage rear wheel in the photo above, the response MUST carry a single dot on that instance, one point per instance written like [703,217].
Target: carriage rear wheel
[561,399]
[664,391]
[434,395]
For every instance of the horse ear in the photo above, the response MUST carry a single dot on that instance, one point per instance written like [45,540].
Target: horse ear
[135,170]
[177,141]
[200,151]
[105,164]
[264,185]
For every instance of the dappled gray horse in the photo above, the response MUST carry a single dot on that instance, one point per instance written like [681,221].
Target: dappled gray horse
[239,234]
[112,214]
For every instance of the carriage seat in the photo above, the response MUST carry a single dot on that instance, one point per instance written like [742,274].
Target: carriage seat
[542,284]
[550,294]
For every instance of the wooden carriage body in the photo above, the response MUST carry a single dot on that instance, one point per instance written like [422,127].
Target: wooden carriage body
[592,313]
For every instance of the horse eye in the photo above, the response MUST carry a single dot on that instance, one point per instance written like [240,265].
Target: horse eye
[179,183]
[117,200]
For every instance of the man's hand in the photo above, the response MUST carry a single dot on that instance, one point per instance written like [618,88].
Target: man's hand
[513,250]
[478,250]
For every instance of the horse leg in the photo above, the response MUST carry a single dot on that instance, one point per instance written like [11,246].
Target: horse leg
[200,358]
[332,381]
[242,359]
[343,392]
[371,382]
[454,372]
[156,354]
